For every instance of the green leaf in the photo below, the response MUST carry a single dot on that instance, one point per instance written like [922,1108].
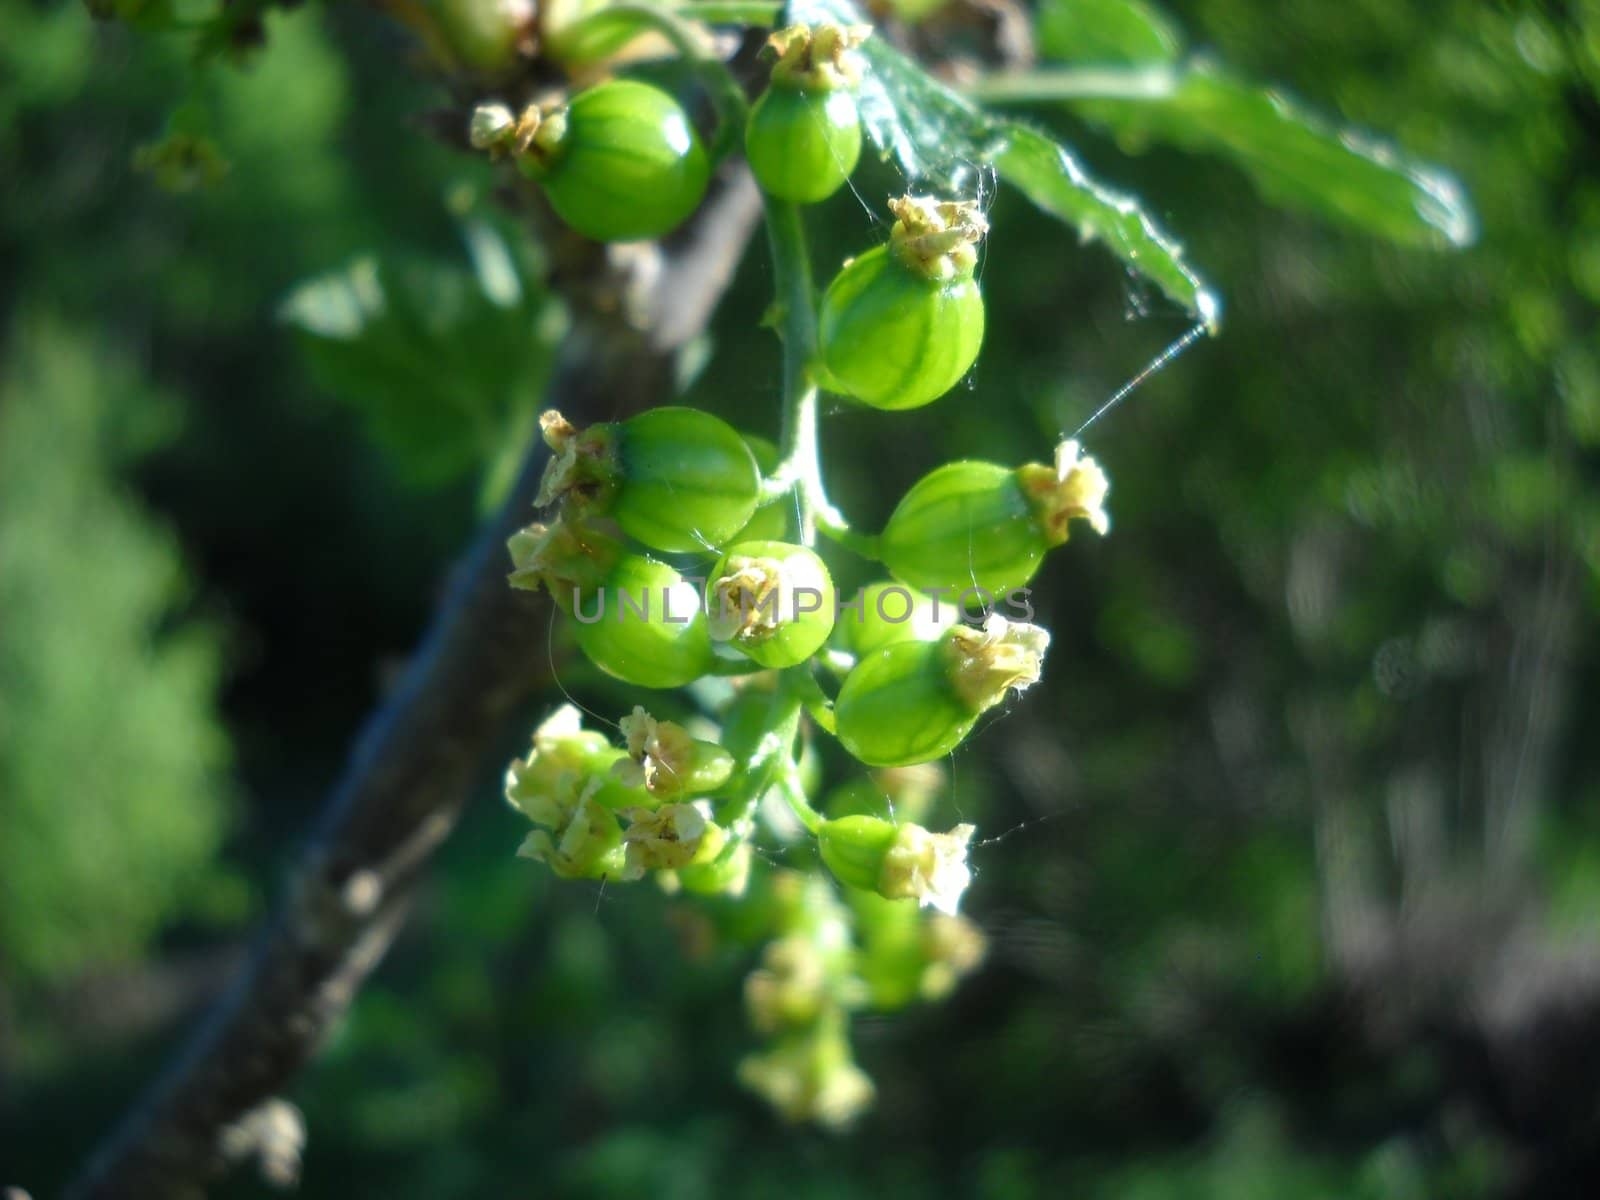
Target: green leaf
[1052,178]
[1108,32]
[446,364]
[1294,158]
[941,140]
[114,792]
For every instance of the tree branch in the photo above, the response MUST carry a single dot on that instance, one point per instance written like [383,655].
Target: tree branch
[419,757]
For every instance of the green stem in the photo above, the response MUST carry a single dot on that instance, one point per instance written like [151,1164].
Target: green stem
[794,794]
[864,544]
[817,702]
[775,748]
[800,470]
[796,298]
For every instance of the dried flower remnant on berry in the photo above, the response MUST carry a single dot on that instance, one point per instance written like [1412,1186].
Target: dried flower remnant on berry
[749,599]
[562,557]
[820,58]
[587,845]
[1075,487]
[899,862]
[530,137]
[987,663]
[930,868]
[937,238]
[582,463]
[549,783]
[657,750]
[669,838]
[666,761]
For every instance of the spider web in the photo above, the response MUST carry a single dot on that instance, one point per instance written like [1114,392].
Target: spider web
[935,136]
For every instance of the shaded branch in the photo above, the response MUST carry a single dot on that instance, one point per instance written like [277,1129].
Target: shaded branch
[420,756]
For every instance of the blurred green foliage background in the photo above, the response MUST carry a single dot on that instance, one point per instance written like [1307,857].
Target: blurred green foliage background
[1298,835]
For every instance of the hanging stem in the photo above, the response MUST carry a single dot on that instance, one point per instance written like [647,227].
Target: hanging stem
[794,794]
[800,468]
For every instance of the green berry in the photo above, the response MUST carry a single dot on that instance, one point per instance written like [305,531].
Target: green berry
[668,762]
[898,861]
[644,625]
[726,875]
[887,612]
[965,524]
[565,557]
[802,144]
[566,764]
[913,702]
[676,479]
[771,600]
[622,163]
[481,34]
[853,848]
[897,707]
[587,846]
[979,525]
[900,325]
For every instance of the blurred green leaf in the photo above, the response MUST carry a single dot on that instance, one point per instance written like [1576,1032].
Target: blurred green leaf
[446,364]
[940,139]
[1294,158]
[1124,32]
[113,787]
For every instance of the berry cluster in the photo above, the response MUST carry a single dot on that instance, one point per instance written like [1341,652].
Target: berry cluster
[684,553]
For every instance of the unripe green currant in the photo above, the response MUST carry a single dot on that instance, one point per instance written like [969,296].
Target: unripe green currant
[803,138]
[588,845]
[913,702]
[567,765]
[900,325]
[801,145]
[667,762]
[853,848]
[644,625]
[728,874]
[674,478]
[670,838]
[566,557]
[964,524]
[977,524]
[898,862]
[482,35]
[887,612]
[771,600]
[619,163]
